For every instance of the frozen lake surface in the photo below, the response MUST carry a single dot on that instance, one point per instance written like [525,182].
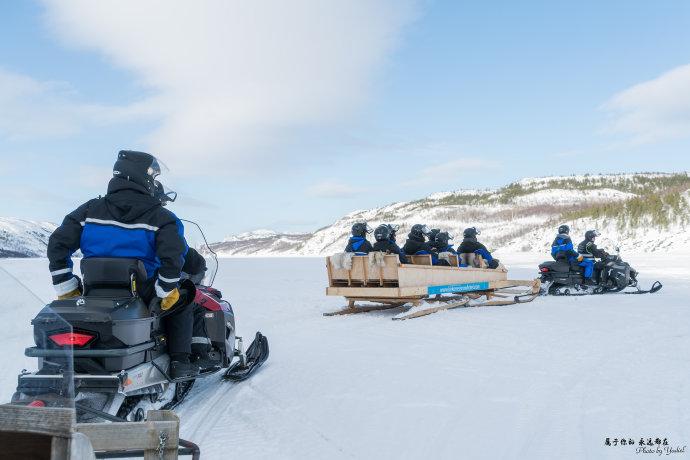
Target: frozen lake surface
[551,379]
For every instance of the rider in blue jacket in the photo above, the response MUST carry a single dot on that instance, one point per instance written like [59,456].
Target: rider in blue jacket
[358,242]
[562,249]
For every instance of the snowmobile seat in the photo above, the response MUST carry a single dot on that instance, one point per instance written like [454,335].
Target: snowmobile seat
[111,277]
[557,266]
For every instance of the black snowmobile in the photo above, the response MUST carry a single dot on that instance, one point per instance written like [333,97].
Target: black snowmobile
[564,278]
[117,346]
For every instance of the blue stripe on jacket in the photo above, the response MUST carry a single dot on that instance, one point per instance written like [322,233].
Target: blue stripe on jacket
[111,241]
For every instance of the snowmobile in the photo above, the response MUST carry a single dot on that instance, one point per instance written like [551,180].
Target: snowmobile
[564,278]
[117,346]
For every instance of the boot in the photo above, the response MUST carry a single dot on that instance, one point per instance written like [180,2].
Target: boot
[180,367]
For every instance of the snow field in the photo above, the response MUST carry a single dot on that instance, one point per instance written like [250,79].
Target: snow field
[546,380]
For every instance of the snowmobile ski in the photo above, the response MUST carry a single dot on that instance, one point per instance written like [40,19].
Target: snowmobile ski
[656,287]
[249,362]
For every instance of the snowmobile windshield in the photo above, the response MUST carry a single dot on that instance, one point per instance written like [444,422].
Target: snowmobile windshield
[164,194]
[44,340]
[196,239]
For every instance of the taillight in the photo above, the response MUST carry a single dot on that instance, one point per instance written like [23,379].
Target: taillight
[37,403]
[543,269]
[76,339]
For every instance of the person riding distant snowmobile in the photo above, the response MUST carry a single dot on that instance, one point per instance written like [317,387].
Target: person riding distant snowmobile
[358,242]
[562,247]
[589,250]
[442,244]
[416,243]
[385,242]
[470,245]
[131,222]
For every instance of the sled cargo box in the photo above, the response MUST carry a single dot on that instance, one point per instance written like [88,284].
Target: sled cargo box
[385,277]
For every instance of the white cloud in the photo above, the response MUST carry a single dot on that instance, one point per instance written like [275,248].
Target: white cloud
[33,108]
[654,110]
[228,76]
[333,189]
[452,171]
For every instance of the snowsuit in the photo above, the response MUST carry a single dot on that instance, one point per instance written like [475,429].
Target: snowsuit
[359,245]
[448,248]
[417,245]
[472,246]
[562,248]
[391,248]
[128,223]
[590,252]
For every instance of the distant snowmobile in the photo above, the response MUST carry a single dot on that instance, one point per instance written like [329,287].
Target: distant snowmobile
[563,278]
[117,347]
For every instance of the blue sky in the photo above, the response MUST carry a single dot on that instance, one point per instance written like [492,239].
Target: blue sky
[286,115]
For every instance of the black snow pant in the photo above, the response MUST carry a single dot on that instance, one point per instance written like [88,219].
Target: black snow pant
[177,325]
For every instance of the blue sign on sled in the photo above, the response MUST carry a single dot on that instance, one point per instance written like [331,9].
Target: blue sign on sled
[450,288]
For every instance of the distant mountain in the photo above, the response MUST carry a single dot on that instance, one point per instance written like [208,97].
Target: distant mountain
[638,212]
[260,242]
[24,238]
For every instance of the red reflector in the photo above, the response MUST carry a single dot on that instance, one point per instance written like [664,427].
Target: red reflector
[544,270]
[71,338]
[37,403]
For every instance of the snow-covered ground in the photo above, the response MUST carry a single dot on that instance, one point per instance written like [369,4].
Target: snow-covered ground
[547,380]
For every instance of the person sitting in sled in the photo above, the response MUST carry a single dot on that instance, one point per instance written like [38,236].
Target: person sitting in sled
[589,250]
[416,242]
[442,244]
[432,237]
[470,245]
[385,241]
[358,242]
[131,222]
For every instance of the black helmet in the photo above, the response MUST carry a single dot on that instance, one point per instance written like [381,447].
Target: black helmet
[139,167]
[432,234]
[564,230]
[360,229]
[382,232]
[471,232]
[419,230]
[591,234]
[441,239]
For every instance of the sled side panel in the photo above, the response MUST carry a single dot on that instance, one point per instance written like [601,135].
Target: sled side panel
[418,275]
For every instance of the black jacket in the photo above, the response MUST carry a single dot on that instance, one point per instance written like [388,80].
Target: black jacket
[414,244]
[589,249]
[126,222]
[391,248]
[472,246]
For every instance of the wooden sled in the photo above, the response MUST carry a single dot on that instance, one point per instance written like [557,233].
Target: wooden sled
[384,284]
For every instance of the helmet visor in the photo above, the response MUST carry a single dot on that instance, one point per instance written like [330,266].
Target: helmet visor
[425,230]
[157,168]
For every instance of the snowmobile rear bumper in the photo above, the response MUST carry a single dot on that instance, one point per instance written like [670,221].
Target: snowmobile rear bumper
[35,352]
[33,384]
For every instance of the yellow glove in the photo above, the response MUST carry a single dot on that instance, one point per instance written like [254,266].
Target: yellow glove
[580,258]
[70,295]
[170,300]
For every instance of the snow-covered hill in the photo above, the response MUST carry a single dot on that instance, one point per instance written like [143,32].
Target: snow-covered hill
[24,238]
[647,211]
[260,241]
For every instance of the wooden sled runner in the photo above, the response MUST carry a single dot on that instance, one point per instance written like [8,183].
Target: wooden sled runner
[420,287]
